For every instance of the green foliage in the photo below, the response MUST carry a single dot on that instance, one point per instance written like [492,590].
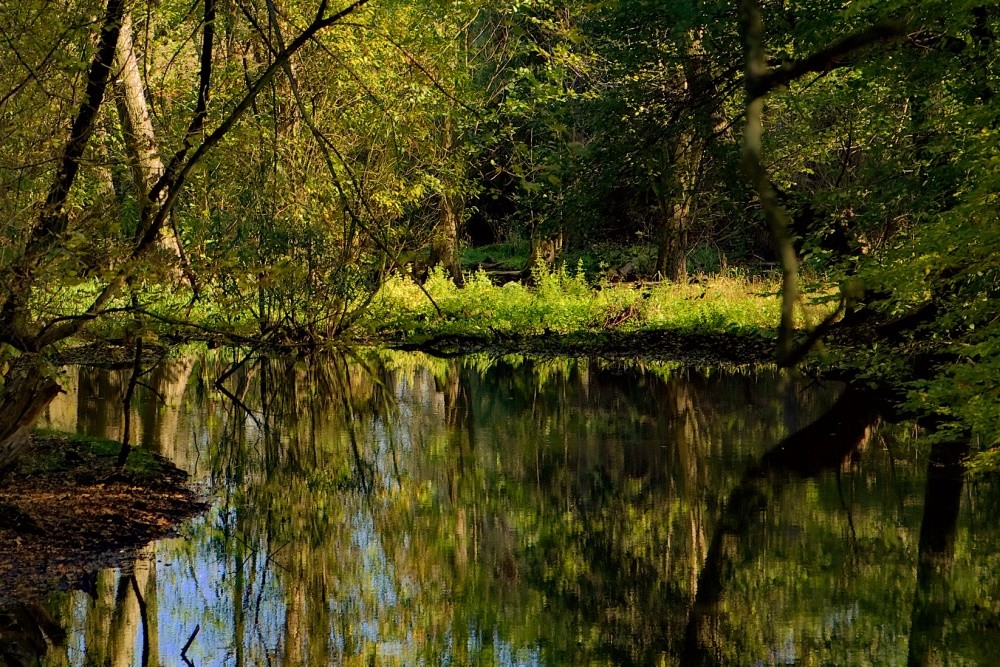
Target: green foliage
[561,302]
[889,167]
[614,125]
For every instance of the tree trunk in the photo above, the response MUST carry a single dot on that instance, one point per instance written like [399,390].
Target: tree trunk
[671,256]
[444,245]
[17,327]
[544,250]
[28,387]
[27,390]
[677,204]
[137,129]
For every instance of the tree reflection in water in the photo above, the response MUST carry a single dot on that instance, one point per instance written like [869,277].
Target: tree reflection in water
[393,508]
[820,447]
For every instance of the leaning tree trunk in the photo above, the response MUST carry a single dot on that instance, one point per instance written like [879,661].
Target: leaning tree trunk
[137,130]
[761,79]
[27,390]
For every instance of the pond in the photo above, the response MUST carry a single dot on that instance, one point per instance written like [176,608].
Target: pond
[393,508]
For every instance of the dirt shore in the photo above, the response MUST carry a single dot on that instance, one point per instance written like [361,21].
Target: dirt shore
[66,512]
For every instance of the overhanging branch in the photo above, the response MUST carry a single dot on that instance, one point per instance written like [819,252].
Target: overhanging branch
[826,59]
[761,80]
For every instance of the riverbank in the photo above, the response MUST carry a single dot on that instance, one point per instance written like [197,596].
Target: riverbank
[66,511]
[660,344]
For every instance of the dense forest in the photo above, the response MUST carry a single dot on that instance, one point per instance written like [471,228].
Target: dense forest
[258,172]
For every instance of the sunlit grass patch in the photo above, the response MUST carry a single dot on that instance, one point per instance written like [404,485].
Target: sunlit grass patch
[564,302]
[718,305]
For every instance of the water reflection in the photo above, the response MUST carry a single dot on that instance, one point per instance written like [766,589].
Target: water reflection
[383,508]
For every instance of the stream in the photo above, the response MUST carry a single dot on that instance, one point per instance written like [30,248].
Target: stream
[389,508]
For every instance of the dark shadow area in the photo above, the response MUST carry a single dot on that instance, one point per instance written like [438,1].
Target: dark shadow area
[942,501]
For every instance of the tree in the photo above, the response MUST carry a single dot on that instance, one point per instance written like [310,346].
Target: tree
[761,79]
[624,129]
[931,279]
[51,244]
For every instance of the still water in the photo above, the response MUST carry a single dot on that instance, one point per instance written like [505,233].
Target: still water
[391,508]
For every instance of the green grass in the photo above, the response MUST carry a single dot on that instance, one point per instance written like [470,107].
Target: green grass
[140,461]
[510,255]
[561,302]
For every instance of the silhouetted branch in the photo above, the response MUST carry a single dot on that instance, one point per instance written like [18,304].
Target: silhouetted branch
[826,59]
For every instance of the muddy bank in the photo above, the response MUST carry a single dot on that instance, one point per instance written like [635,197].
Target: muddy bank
[694,348]
[67,512]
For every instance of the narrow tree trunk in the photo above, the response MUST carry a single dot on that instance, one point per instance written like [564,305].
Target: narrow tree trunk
[17,327]
[444,245]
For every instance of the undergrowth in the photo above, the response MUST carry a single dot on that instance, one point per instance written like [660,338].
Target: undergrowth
[559,301]
[564,302]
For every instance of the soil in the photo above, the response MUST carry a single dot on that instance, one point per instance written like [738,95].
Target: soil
[66,512]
